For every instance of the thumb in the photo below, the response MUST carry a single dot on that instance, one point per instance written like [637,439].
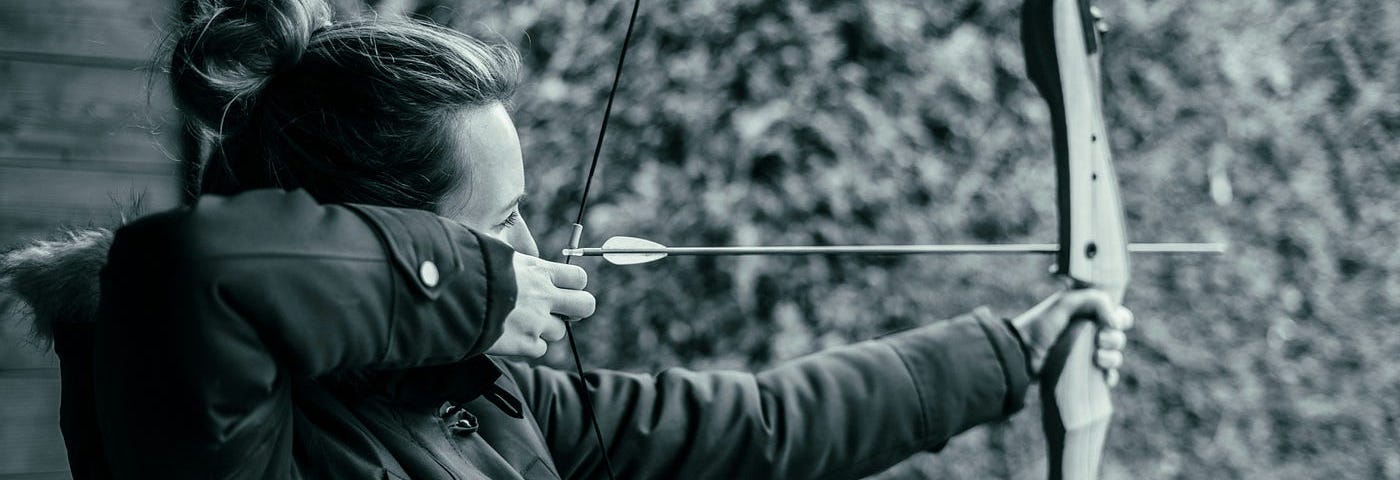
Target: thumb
[1088,304]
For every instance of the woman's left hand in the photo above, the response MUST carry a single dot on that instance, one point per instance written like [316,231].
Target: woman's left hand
[1042,325]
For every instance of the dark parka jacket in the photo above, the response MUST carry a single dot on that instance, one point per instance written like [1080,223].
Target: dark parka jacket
[267,336]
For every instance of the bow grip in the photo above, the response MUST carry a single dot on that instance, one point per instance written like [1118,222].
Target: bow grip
[1076,408]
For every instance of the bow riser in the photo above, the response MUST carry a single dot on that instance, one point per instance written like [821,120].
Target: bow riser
[1062,56]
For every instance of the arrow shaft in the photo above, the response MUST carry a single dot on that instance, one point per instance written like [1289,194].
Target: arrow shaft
[1013,249]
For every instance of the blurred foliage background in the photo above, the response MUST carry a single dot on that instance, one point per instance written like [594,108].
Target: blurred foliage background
[1268,124]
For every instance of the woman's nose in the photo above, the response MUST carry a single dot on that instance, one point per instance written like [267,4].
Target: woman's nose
[523,241]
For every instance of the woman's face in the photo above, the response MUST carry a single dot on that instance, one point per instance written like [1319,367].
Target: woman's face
[489,199]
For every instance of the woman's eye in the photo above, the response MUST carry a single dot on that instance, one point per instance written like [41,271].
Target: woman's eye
[510,221]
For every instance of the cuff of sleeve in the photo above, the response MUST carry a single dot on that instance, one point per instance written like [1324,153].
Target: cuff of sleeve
[500,285]
[968,371]
[1006,341]
[415,238]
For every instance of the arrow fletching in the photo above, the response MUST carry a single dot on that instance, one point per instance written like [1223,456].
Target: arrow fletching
[632,243]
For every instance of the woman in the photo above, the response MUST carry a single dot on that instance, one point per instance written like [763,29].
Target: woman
[349,298]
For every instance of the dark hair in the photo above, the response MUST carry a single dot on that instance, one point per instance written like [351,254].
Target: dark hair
[352,112]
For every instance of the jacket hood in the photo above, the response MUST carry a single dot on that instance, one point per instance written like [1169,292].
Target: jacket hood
[54,281]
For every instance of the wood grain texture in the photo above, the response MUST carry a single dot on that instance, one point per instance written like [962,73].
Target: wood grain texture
[67,112]
[37,200]
[74,30]
[84,129]
[78,142]
[30,441]
[63,475]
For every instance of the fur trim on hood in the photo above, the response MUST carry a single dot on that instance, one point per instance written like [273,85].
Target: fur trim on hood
[54,281]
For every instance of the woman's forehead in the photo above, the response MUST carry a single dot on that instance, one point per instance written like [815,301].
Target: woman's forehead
[486,141]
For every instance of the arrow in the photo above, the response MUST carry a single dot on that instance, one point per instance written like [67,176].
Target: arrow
[623,250]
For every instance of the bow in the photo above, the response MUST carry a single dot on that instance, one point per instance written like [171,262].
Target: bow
[1062,45]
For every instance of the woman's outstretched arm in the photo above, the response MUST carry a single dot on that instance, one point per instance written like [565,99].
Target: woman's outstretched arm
[841,413]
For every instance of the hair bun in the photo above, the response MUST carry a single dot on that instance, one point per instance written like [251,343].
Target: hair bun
[229,50]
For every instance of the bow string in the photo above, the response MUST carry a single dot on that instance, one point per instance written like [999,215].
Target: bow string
[577,234]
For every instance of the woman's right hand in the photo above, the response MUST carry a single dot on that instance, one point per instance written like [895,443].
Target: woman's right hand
[547,295]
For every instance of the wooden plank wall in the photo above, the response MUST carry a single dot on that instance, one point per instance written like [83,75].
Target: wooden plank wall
[85,128]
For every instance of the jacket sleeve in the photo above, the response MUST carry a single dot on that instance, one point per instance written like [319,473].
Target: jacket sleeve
[208,313]
[841,413]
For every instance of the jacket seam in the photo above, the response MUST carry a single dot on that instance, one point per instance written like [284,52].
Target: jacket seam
[401,251]
[393,314]
[1001,364]
[487,306]
[451,248]
[244,256]
[918,392]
